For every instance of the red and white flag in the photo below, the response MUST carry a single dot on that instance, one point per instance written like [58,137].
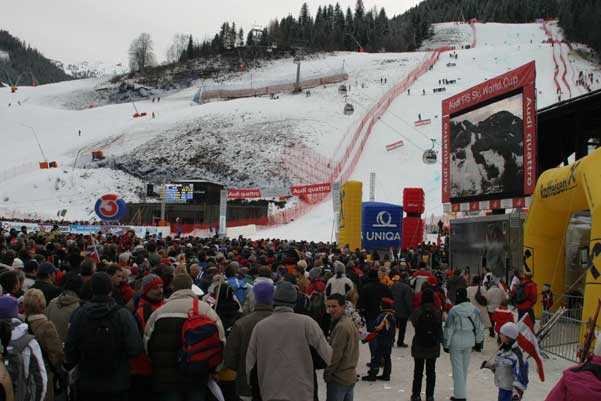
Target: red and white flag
[528,342]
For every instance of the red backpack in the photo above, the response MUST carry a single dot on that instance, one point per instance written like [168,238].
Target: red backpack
[201,350]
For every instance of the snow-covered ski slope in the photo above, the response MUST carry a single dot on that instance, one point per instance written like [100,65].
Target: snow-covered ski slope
[240,128]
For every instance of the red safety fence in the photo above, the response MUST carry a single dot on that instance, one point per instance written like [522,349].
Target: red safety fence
[556,71]
[303,164]
[308,166]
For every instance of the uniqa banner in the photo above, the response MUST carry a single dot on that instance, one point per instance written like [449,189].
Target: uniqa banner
[381,225]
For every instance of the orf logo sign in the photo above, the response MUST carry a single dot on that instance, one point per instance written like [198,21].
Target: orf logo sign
[384,219]
[110,208]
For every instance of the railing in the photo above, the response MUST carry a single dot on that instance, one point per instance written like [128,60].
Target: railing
[567,335]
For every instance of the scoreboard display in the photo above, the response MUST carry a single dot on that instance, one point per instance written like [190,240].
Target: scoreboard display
[177,193]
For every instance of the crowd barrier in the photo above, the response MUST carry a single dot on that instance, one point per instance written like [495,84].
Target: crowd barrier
[206,94]
[86,229]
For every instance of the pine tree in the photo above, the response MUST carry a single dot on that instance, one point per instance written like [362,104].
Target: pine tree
[190,49]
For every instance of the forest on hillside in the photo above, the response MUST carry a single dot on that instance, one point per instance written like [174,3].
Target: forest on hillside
[25,65]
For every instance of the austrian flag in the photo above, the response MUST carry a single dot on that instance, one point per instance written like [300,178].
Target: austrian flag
[528,342]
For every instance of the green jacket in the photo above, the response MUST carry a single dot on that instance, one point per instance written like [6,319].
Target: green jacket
[234,356]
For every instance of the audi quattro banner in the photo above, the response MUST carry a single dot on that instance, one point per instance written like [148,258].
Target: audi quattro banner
[381,225]
[299,190]
[489,139]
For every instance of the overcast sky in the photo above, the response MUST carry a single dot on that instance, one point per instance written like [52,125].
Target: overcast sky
[101,30]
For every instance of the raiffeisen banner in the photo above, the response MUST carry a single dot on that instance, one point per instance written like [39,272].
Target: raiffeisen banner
[381,225]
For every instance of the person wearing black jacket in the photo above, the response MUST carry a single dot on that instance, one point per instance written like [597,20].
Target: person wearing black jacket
[45,279]
[425,348]
[102,337]
[370,299]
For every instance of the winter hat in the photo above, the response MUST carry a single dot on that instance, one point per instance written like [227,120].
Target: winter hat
[8,307]
[510,330]
[31,265]
[339,267]
[182,282]
[150,281]
[18,263]
[285,294]
[101,284]
[461,296]
[315,273]
[427,296]
[264,293]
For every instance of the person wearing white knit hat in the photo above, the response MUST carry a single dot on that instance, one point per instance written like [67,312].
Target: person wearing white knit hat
[510,366]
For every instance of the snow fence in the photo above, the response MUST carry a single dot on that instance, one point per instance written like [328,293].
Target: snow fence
[205,94]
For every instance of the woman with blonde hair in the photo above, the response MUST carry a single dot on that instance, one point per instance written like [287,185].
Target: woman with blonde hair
[34,304]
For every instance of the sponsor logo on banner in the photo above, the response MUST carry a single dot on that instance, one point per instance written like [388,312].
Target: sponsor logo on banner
[595,258]
[110,207]
[495,204]
[384,219]
[419,123]
[311,189]
[381,225]
[275,192]
[529,259]
[243,193]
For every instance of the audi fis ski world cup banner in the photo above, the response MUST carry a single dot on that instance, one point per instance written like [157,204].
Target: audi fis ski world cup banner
[489,139]
[381,225]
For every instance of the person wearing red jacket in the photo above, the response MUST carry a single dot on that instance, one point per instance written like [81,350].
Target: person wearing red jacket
[524,296]
[140,366]
[502,315]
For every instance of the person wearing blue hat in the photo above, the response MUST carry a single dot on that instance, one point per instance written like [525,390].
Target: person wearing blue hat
[45,280]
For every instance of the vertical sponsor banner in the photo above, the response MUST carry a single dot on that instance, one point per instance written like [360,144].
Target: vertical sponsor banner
[446,155]
[336,204]
[529,105]
[222,212]
[351,195]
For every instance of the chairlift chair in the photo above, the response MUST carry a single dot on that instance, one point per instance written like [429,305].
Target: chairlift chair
[348,109]
[342,89]
[430,156]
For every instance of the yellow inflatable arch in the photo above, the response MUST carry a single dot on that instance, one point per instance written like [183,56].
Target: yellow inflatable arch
[559,193]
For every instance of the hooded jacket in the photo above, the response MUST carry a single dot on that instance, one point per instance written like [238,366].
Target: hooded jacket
[34,361]
[49,341]
[59,311]
[459,331]
[162,340]
[579,383]
[127,333]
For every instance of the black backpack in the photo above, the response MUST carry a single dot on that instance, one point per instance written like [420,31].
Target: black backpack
[101,344]
[520,294]
[427,329]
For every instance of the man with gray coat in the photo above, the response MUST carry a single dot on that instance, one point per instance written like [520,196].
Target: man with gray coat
[403,303]
[284,351]
[234,356]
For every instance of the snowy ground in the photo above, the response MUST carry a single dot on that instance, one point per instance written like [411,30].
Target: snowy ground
[480,385]
[184,139]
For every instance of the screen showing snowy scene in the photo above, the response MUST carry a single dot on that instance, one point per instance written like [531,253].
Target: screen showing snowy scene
[487,150]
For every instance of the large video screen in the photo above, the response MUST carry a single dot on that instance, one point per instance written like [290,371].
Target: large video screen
[489,139]
[177,193]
